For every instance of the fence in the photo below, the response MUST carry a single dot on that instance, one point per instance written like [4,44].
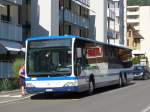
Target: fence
[7,79]
[6,70]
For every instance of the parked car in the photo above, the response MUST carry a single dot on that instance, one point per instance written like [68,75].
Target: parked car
[141,72]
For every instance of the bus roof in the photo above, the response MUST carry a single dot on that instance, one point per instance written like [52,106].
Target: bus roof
[72,36]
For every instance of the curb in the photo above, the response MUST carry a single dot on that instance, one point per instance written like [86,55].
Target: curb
[13,91]
[15,100]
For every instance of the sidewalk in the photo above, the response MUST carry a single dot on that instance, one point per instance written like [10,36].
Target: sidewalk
[12,91]
[12,96]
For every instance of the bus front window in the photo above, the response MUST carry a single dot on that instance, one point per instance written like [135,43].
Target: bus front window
[49,61]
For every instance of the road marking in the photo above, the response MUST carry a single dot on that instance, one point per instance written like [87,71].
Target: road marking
[146,109]
[16,96]
[10,96]
[8,101]
[4,96]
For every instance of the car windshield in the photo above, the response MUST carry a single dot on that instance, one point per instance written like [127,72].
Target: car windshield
[49,61]
[139,68]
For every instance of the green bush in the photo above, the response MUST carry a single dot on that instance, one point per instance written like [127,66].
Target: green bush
[136,60]
[16,65]
[8,84]
[12,83]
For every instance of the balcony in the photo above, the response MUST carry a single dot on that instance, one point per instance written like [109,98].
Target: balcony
[137,27]
[75,19]
[136,20]
[18,2]
[85,2]
[117,27]
[117,12]
[110,33]
[111,14]
[10,31]
[136,13]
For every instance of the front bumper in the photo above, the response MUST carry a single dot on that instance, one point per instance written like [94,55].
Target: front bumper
[58,89]
[138,76]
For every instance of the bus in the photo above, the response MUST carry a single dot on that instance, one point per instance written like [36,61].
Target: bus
[75,64]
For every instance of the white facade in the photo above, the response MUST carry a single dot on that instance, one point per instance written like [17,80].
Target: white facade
[133,16]
[144,29]
[139,17]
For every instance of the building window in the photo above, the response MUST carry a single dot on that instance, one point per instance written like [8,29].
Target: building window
[117,4]
[130,34]
[117,35]
[69,29]
[127,42]
[108,5]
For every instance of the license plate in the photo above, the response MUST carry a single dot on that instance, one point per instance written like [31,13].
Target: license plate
[49,90]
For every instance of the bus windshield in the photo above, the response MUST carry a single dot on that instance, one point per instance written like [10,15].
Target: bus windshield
[49,61]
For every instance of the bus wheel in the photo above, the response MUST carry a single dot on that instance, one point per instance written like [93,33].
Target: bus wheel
[120,81]
[91,87]
[125,80]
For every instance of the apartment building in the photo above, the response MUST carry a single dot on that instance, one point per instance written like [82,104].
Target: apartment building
[10,35]
[120,22]
[139,17]
[110,21]
[60,17]
[109,17]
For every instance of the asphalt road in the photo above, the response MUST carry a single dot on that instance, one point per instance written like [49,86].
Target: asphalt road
[132,98]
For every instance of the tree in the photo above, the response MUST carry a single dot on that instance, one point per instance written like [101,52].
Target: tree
[139,2]
[16,66]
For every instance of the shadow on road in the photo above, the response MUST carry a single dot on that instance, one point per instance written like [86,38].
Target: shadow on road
[65,96]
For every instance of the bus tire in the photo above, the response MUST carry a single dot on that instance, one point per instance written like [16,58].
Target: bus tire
[91,86]
[125,82]
[120,81]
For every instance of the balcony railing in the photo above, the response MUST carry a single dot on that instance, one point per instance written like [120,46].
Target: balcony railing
[117,12]
[10,31]
[136,13]
[137,27]
[18,2]
[110,33]
[133,20]
[85,2]
[75,19]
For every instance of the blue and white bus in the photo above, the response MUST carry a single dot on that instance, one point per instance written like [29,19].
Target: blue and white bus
[74,64]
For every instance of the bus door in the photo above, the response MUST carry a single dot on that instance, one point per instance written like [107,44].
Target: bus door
[85,63]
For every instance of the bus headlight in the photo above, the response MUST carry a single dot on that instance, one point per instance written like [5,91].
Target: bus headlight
[29,85]
[71,84]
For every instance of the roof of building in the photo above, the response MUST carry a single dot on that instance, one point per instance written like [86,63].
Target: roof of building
[135,33]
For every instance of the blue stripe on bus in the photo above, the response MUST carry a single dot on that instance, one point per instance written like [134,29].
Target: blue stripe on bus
[50,78]
[51,37]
